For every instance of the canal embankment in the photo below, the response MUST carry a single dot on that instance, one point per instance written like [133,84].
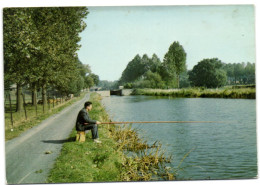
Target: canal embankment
[110,160]
[237,93]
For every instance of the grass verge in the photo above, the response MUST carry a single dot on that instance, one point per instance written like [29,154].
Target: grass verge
[21,124]
[109,161]
[88,161]
[242,93]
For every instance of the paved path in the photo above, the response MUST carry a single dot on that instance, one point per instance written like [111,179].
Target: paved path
[26,161]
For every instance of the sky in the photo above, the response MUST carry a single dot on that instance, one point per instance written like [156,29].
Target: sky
[115,35]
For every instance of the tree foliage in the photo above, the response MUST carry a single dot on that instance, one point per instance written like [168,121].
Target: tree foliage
[40,46]
[95,78]
[154,80]
[208,73]
[240,73]
[184,80]
[107,85]
[136,68]
[132,71]
[174,61]
[166,73]
[20,44]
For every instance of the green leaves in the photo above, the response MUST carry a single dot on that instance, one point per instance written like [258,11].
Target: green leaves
[137,68]
[240,73]
[208,73]
[175,60]
[156,74]
[40,44]
[18,43]
[132,71]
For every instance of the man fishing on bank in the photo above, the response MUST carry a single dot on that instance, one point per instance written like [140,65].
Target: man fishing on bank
[85,123]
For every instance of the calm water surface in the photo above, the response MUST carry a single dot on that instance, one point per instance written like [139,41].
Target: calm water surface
[219,150]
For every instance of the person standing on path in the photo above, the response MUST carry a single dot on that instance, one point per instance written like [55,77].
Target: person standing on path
[85,123]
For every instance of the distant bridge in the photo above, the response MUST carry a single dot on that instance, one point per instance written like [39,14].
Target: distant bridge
[119,92]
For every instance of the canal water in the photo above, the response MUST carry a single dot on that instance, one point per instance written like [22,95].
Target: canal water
[226,149]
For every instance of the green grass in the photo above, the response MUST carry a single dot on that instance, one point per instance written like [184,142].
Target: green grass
[243,93]
[22,124]
[89,161]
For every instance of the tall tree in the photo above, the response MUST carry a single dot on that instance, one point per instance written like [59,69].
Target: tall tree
[133,70]
[89,82]
[58,30]
[155,63]
[250,73]
[175,60]
[20,43]
[238,72]
[184,79]
[168,76]
[40,46]
[95,78]
[208,73]
[138,67]
[229,68]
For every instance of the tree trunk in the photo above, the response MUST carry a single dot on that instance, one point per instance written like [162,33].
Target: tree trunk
[11,111]
[24,103]
[44,97]
[19,100]
[48,100]
[34,94]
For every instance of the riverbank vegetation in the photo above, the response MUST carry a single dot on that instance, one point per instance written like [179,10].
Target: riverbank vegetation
[34,115]
[172,72]
[245,93]
[122,156]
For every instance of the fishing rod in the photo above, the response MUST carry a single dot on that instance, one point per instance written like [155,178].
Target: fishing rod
[128,122]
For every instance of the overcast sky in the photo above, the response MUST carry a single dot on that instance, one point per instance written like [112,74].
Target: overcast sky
[114,35]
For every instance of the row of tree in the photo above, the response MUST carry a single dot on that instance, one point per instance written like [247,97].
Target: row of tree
[145,72]
[107,85]
[40,46]
[214,73]
[152,73]
[240,73]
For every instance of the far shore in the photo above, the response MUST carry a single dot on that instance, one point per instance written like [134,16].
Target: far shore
[238,93]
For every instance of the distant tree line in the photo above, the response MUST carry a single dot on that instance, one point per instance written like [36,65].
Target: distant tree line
[212,73]
[240,73]
[107,85]
[145,72]
[40,46]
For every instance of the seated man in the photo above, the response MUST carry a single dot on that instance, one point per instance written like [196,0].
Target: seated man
[85,123]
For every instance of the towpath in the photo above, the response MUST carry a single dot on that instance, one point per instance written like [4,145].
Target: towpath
[30,156]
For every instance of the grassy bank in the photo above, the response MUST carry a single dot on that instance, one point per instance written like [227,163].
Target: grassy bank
[21,124]
[108,161]
[245,93]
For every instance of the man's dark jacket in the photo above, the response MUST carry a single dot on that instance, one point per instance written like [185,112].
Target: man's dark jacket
[82,118]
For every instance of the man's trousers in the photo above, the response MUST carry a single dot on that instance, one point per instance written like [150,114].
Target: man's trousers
[94,130]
